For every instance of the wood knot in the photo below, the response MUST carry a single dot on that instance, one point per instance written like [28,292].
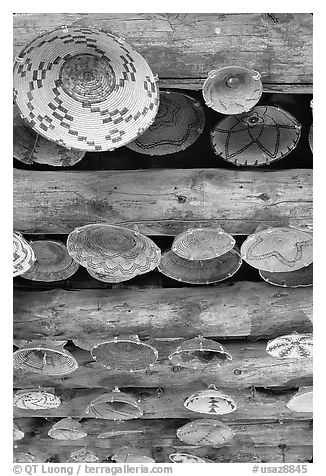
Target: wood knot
[264,197]
[181,198]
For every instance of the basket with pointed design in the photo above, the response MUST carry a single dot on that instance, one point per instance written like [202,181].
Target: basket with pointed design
[23,255]
[200,353]
[29,147]
[18,434]
[67,429]
[178,124]
[82,455]
[125,353]
[210,401]
[200,271]
[232,90]
[278,249]
[292,346]
[205,432]
[36,400]
[52,263]
[131,455]
[85,88]
[114,251]
[185,458]
[202,243]
[258,137]
[299,278]
[46,357]
[302,401]
[114,405]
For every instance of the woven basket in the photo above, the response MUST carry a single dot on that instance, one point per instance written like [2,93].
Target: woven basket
[131,455]
[18,434]
[30,147]
[185,458]
[36,400]
[232,90]
[113,251]
[202,243]
[302,401]
[211,402]
[53,262]
[126,354]
[200,353]
[205,432]
[107,278]
[114,405]
[83,456]
[67,429]
[259,137]
[23,255]
[300,278]
[179,122]
[46,357]
[292,346]
[200,271]
[278,249]
[84,88]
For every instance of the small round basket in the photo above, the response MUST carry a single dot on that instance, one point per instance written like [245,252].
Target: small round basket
[292,346]
[67,429]
[52,263]
[23,255]
[211,402]
[185,458]
[36,400]
[258,137]
[178,124]
[202,243]
[232,90]
[85,88]
[205,432]
[299,278]
[114,405]
[278,249]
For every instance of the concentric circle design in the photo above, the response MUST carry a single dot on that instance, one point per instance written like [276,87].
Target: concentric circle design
[36,400]
[45,358]
[178,124]
[23,255]
[278,249]
[205,432]
[112,251]
[67,429]
[114,405]
[299,278]
[255,138]
[125,354]
[200,271]
[84,88]
[29,147]
[232,90]
[53,262]
[211,402]
[202,243]
[292,346]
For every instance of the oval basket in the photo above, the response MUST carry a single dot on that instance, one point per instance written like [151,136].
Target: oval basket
[23,255]
[292,346]
[114,405]
[211,402]
[205,432]
[36,400]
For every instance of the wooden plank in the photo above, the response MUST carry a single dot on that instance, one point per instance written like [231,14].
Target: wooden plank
[168,403]
[241,310]
[251,366]
[189,45]
[161,201]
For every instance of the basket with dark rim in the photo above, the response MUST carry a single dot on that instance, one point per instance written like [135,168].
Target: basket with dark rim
[85,88]
[131,455]
[299,278]
[53,262]
[113,251]
[36,400]
[232,90]
[202,243]
[29,147]
[205,432]
[67,429]
[23,255]
[46,357]
[255,138]
[210,401]
[200,353]
[291,346]
[278,249]
[302,401]
[178,124]
[114,405]
[128,354]
[200,271]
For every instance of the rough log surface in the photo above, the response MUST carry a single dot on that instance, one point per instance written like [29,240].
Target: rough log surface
[241,310]
[161,201]
[252,405]
[189,45]
[251,366]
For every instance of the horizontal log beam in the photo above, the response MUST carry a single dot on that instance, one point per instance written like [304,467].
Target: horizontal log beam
[161,201]
[251,366]
[189,45]
[168,403]
[241,310]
